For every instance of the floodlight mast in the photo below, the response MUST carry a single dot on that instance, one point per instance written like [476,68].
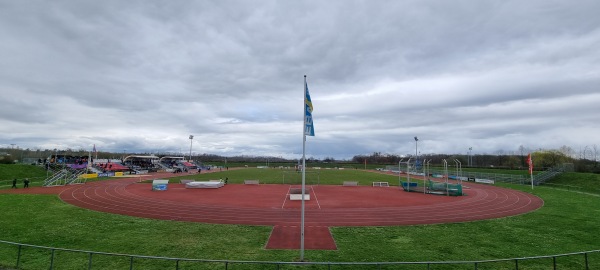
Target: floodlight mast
[416,147]
[416,153]
[191,139]
[469,162]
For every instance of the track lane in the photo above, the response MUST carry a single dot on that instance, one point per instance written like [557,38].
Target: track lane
[127,197]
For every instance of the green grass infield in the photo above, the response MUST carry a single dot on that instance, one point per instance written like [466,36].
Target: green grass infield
[568,222]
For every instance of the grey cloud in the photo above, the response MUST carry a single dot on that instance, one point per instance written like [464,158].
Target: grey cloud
[144,75]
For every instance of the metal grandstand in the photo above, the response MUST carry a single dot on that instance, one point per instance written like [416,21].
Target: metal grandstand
[65,176]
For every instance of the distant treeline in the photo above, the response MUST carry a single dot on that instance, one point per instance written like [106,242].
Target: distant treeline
[542,159]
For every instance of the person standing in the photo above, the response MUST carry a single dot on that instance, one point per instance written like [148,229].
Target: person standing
[14,183]
[26,183]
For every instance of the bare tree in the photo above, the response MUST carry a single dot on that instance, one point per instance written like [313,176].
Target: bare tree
[584,156]
[567,151]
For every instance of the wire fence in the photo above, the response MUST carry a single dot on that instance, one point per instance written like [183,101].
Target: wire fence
[539,178]
[25,256]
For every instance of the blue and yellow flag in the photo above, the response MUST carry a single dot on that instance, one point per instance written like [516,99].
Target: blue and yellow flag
[309,129]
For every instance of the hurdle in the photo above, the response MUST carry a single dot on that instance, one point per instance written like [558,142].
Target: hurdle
[350,183]
[381,184]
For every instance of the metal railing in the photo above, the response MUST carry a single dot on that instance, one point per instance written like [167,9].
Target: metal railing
[538,178]
[75,177]
[65,176]
[56,177]
[582,260]
[550,173]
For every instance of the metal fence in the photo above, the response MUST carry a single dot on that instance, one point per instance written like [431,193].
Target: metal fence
[538,178]
[496,177]
[49,258]
[550,173]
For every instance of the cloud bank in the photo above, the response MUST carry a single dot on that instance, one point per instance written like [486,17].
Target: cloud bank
[141,76]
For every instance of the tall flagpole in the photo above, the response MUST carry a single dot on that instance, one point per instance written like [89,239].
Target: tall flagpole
[303,173]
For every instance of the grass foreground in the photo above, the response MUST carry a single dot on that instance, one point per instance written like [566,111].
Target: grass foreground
[568,222]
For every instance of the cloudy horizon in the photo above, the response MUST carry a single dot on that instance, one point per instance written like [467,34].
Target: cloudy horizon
[141,76]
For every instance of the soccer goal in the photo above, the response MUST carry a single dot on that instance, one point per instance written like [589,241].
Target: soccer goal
[295,177]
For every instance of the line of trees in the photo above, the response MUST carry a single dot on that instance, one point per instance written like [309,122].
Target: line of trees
[542,159]
[586,160]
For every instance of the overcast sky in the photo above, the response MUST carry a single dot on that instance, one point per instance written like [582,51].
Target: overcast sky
[141,76]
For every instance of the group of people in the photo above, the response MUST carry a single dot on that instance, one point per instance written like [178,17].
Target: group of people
[25,183]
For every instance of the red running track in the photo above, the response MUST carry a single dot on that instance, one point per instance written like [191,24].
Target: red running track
[329,205]
[270,204]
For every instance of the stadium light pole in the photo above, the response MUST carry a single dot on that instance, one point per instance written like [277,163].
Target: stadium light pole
[416,152]
[469,160]
[191,139]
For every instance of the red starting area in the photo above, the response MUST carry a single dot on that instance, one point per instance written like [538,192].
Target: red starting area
[270,204]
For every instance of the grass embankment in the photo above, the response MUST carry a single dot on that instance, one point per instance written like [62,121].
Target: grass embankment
[581,182]
[568,222]
[8,172]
